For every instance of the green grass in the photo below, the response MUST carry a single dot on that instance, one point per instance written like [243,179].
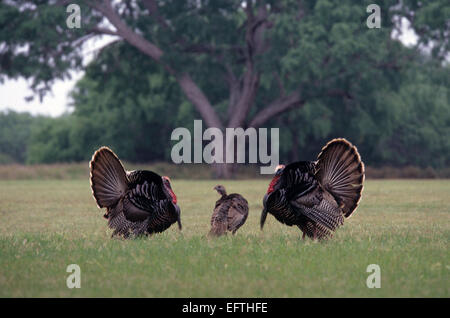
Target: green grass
[45,225]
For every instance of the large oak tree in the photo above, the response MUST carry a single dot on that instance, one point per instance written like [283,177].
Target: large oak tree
[263,58]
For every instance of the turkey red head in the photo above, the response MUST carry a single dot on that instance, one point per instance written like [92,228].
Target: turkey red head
[276,179]
[168,188]
[274,185]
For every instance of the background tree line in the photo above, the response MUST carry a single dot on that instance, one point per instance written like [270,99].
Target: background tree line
[312,68]
[408,125]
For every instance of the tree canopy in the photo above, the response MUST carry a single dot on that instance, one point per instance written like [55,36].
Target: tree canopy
[313,68]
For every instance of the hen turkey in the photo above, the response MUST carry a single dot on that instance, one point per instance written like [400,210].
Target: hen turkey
[316,196]
[230,212]
[137,202]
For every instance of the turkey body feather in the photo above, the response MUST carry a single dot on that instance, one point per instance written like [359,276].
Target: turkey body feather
[230,213]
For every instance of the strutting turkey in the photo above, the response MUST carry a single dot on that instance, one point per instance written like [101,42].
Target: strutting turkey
[137,202]
[230,212]
[317,195]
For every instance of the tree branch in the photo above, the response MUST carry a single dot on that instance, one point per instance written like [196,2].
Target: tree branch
[100,30]
[277,107]
[124,31]
[254,40]
[196,96]
[188,86]
[235,89]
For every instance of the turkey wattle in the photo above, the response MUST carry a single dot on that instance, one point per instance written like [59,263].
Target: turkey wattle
[317,195]
[137,202]
[230,212]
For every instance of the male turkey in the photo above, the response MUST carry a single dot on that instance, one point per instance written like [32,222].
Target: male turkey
[137,202]
[230,212]
[317,195]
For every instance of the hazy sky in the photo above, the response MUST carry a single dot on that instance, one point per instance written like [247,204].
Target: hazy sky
[13,92]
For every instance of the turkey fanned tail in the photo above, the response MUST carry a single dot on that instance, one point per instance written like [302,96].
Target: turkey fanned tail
[341,172]
[108,178]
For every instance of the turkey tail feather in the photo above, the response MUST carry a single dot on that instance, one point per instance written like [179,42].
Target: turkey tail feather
[341,172]
[219,222]
[218,229]
[108,177]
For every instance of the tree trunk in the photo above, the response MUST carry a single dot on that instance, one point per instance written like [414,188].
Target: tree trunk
[223,170]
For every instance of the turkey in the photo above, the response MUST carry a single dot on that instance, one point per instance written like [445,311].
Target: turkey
[137,202]
[316,196]
[230,212]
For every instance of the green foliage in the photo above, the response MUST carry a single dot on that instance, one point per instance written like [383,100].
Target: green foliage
[36,44]
[392,102]
[50,142]
[430,20]
[422,126]
[15,131]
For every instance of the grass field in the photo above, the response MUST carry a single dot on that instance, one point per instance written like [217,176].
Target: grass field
[45,225]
